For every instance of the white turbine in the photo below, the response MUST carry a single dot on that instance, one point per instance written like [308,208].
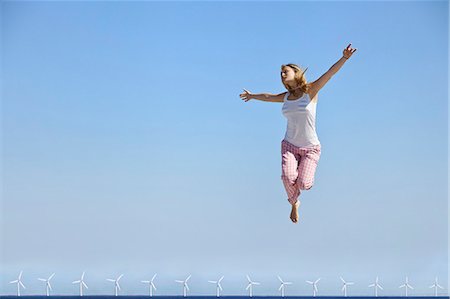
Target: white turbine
[151,285]
[116,284]
[282,285]
[376,285]
[344,287]
[19,283]
[407,286]
[250,285]
[48,287]
[314,285]
[436,286]
[218,286]
[82,284]
[185,286]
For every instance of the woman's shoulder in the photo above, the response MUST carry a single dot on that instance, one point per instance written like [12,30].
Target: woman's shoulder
[313,94]
[313,97]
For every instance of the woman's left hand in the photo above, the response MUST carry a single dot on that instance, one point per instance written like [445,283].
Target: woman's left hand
[349,51]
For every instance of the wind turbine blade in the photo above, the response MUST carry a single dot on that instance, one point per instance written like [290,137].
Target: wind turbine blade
[22,284]
[221,279]
[41,279]
[51,276]
[153,286]
[440,287]
[212,281]
[220,287]
[187,287]
[248,286]
[50,286]
[119,277]
[109,279]
[342,279]
[279,278]
[20,275]
[281,286]
[82,275]
[76,281]
[257,283]
[318,280]
[380,287]
[310,282]
[248,278]
[153,277]
[118,286]
[288,283]
[371,285]
[343,288]
[14,281]
[85,285]
[180,281]
[350,283]
[188,278]
[145,281]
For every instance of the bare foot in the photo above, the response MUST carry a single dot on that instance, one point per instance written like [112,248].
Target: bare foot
[294,212]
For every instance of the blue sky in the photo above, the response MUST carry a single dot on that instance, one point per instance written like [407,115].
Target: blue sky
[126,147]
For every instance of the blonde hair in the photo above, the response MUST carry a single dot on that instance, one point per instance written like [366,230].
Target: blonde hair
[299,77]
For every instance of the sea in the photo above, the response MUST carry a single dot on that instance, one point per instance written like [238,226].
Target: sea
[214,297]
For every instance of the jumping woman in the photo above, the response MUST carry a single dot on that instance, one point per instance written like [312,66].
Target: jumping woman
[300,148]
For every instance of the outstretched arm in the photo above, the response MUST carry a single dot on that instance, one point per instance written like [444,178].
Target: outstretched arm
[266,97]
[319,83]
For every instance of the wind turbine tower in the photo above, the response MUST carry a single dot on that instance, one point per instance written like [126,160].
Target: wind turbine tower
[218,286]
[116,284]
[48,287]
[82,284]
[19,283]
[185,285]
[250,285]
[151,285]
[376,285]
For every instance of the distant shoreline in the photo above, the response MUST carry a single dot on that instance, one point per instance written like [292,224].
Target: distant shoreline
[214,297]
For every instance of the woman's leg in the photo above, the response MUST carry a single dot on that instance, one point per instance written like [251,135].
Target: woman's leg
[289,167]
[307,167]
[290,161]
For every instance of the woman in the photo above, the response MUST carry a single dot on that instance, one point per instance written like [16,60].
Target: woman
[300,148]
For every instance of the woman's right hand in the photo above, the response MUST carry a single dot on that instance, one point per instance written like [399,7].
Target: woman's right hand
[246,95]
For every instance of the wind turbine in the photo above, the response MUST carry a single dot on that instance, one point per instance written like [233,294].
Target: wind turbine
[19,283]
[436,286]
[282,285]
[116,284]
[344,287]
[82,284]
[250,285]
[48,287]
[185,286]
[314,284]
[151,285]
[218,286]
[376,285]
[406,286]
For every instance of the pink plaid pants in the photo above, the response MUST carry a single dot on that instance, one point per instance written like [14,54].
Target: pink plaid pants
[298,168]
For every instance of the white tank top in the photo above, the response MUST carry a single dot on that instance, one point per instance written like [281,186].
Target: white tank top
[301,121]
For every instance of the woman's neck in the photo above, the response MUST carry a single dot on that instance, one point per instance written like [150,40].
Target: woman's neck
[296,91]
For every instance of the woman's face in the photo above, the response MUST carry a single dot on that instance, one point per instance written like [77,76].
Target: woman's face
[287,74]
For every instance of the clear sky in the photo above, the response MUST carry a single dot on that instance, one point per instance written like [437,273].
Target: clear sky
[126,147]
